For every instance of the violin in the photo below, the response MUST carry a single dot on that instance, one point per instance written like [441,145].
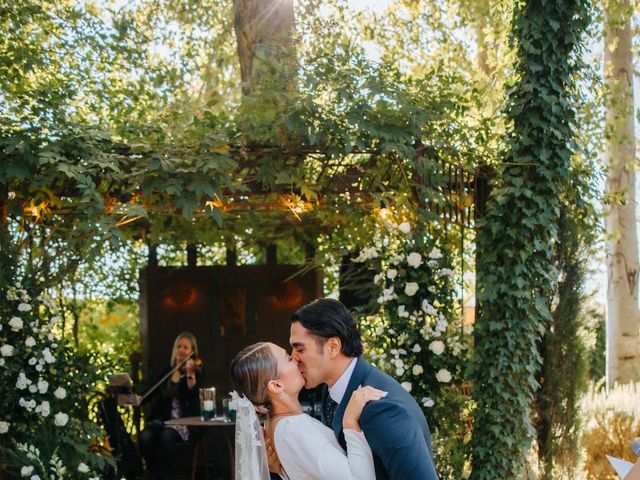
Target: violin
[196,366]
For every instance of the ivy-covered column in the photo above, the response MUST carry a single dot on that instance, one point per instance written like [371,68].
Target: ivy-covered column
[519,230]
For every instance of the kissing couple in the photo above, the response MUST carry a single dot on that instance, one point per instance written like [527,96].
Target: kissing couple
[371,427]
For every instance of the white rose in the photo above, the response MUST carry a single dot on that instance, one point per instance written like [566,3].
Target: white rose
[24,307]
[16,324]
[392,273]
[416,348]
[417,369]
[402,313]
[33,388]
[26,470]
[443,375]
[35,477]
[407,386]
[22,382]
[447,272]
[437,347]
[399,372]
[414,259]
[435,254]
[44,409]
[4,427]
[48,357]
[39,368]
[405,227]
[30,342]
[32,361]
[43,386]
[411,288]
[428,402]
[82,468]
[60,393]
[60,419]
[428,308]
[1,362]
[398,363]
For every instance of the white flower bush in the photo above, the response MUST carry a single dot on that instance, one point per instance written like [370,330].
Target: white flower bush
[415,334]
[44,433]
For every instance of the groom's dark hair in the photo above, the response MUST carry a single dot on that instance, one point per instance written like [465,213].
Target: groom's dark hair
[326,318]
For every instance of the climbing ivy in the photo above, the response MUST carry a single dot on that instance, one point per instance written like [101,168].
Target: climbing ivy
[517,236]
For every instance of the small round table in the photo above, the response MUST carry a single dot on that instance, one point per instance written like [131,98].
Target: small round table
[218,422]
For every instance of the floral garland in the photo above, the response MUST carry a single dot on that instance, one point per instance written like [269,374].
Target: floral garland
[415,334]
[42,434]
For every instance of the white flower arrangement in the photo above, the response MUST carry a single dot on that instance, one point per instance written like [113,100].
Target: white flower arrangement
[30,359]
[421,312]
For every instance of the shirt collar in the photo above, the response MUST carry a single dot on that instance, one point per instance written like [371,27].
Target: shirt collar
[340,387]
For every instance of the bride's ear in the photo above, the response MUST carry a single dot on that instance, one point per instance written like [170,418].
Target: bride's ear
[275,386]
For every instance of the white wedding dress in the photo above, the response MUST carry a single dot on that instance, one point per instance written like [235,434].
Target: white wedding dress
[309,450]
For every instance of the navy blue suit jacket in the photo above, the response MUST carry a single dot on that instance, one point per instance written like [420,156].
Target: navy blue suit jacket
[394,426]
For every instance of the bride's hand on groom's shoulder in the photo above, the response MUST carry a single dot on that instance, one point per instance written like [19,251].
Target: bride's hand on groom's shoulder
[359,398]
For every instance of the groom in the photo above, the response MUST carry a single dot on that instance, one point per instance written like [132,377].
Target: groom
[327,346]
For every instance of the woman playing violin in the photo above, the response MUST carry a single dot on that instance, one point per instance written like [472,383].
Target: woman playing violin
[176,398]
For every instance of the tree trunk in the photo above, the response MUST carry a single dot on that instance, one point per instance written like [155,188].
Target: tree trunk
[482,15]
[267,23]
[623,317]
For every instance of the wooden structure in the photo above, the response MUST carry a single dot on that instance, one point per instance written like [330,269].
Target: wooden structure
[226,307]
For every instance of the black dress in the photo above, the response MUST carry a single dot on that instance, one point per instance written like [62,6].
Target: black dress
[158,441]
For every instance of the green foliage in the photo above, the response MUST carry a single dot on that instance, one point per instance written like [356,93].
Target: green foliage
[518,235]
[563,377]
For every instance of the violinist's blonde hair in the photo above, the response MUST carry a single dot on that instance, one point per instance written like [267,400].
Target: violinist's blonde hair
[174,352]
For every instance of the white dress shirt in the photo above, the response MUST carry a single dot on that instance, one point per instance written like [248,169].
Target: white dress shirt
[336,392]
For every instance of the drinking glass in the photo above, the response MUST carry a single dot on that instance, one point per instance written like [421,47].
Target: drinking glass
[207,403]
[229,409]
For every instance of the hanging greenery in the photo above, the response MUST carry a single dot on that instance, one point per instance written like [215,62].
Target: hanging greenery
[517,237]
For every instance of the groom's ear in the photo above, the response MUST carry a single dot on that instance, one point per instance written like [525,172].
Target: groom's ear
[333,346]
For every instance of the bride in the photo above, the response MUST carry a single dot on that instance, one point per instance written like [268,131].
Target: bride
[268,382]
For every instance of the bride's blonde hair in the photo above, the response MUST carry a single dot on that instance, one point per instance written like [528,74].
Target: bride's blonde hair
[251,370]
